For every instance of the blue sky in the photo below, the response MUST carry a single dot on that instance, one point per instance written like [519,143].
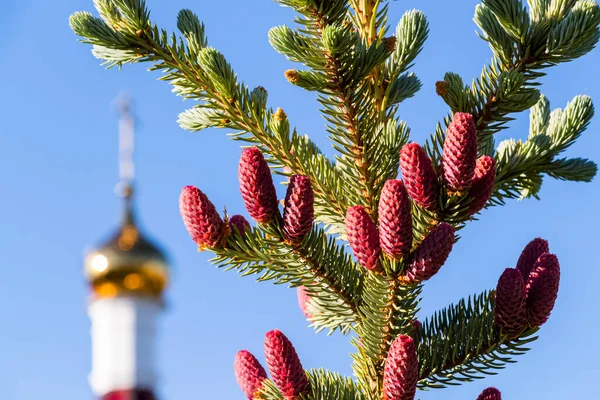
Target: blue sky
[58,152]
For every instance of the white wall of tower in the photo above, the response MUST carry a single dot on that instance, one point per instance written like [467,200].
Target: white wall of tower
[123,343]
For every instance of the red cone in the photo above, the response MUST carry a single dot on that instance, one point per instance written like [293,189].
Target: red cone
[285,367]
[511,303]
[363,237]
[298,213]
[429,257]
[490,394]
[395,219]
[240,223]
[256,185]
[200,217]
[419,177]
[401,371]
[530,255]
[542,289]
[303,299]
[417,328]
[482,184]
[249,374]
[460,152]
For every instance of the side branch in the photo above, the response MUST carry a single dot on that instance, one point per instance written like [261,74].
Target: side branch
[330,276]
[461,343]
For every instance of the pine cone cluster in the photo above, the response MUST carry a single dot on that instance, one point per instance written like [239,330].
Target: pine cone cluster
[419,176]
[201,219]
[249,374]
[303,299]
[256,185]
[511,303]
[490,394]
[461,170]
[530,255]
[431,254]
[526,294]
[401,371]
[460,152]
[363,237]
[482,184]
[284,366]
[395,219]
[239,223]
[542,289]
[298,213]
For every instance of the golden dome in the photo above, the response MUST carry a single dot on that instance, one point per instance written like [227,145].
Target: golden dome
[128,263]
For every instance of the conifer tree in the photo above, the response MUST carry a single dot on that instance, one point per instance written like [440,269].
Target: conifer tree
[400,229]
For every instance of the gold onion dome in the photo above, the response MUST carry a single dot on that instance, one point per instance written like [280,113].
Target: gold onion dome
[127,263]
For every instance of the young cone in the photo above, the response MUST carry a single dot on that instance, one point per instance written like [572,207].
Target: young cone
[256,185]
[427,260]
[417,329]
[395,219]
[401,371]
[419,177]
[303,299]
[249,374]
[298,213]
[542,289]
[201,219]
[482,184]
[490,394]
[510,311]
[530,255]
[460,152]
[240,223]
[284,366]
[363,237]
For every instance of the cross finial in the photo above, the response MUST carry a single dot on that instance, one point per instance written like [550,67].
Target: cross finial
[126,143]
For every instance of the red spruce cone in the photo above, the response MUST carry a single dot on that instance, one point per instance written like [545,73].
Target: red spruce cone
[363,237]
[511,303]
[395,219]
[249,374]
[490,394]
[429,257]
[401,371]
[239,222]
[284,365]
[298,213]
[482,184]
[200,217]
[460,152]
[417,328]
[419,177]
[530,255]
[303,299]
[542,289]
[256,185]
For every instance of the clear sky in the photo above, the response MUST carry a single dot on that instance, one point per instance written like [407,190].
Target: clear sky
[58,152]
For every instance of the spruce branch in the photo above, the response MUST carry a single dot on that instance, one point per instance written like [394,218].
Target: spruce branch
[461,343]
[203,74]
[388,309]
[327,385]
[332,280]
[522,50]
[521,165]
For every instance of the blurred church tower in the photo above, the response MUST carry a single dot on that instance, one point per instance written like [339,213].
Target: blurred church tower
[127,275]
